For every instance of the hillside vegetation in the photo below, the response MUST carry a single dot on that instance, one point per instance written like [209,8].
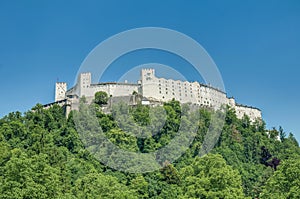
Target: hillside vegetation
[42,156]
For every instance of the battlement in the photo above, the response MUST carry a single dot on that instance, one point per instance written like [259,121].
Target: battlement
[85,74]
[147,73]
[148,70]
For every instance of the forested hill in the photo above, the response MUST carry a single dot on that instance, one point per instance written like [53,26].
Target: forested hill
[41,156]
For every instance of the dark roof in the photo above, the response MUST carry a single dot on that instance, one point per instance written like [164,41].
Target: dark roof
[247,106]
[52,103]
[115,83]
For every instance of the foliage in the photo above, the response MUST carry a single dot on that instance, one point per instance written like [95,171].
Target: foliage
[285,182]
[211,177]
[101,98]
[43,155]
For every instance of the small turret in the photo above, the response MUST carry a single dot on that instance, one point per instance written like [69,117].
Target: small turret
[231,101]
[147,74]
[60,91]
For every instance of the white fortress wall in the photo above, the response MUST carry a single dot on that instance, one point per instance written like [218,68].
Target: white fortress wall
[186,92]
[212,97]
[162,89]
[84,87]
[112,89]
[155,89]
[252,112]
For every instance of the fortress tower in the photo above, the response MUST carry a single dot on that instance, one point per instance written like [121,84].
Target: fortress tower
[149,83]
[147,74]
[84,82]
[60,91]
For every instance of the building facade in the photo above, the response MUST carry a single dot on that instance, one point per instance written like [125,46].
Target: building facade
[186,92]
[156,89]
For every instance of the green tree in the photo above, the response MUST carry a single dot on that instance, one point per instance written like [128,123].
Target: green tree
[282,134]
[101,98]
[122,139]
[285,183]
[211,177]
[140,186]
[96,185]
[26,177]
[170,173]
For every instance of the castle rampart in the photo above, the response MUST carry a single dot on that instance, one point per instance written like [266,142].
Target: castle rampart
[156,89]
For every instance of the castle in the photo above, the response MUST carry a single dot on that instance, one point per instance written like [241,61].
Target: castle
[154,90]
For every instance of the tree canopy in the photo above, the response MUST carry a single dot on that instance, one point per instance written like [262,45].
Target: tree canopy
[101,98]
[42,155]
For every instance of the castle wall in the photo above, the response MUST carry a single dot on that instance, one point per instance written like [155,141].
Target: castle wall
[252,112]
[155,89]
[186,92]
[164,90]
[84,87]
[112,89]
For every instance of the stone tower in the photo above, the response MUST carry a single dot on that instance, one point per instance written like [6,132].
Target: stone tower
[148,83]
[60,91]
[147,74]
[84,81]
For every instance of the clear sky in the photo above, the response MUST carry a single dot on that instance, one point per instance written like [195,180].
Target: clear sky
[255,44]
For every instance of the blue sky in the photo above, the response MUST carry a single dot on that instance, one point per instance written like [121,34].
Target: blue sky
[255,44]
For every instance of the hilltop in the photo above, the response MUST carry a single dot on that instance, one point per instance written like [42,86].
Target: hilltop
[42,156]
